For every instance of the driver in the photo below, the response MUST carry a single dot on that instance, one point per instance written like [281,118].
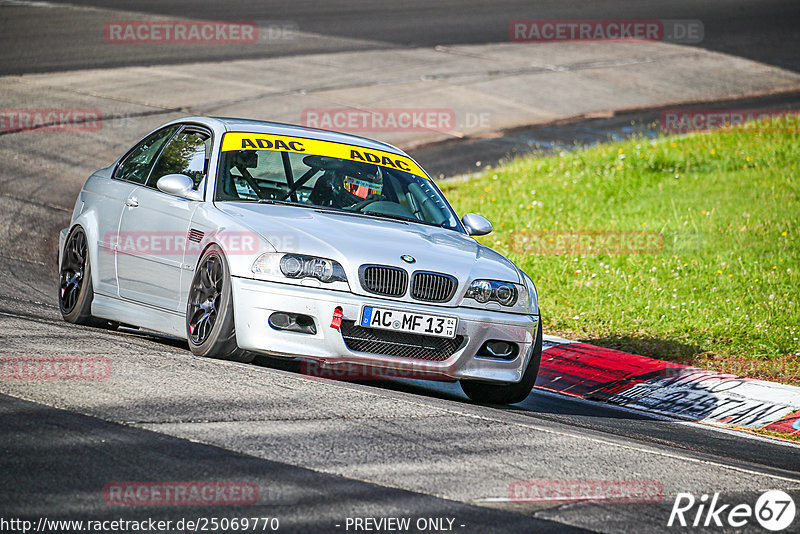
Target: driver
[343,188]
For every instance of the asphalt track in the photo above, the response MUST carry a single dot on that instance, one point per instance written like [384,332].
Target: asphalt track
[39,36]
[320,451]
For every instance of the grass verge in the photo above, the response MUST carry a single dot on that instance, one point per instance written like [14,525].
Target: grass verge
[683,248]
[768,433]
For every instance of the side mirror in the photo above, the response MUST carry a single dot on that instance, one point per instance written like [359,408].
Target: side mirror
[476,224]
[179,185]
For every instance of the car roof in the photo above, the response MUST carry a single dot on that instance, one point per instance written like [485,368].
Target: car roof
[231,124]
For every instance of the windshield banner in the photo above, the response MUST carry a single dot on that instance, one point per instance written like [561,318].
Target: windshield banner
[251,141]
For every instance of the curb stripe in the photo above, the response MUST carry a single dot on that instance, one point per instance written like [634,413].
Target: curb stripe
[657,386]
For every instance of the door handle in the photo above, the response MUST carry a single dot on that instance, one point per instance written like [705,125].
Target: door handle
[132,203]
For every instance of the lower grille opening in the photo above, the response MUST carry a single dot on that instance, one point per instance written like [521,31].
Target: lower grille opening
[293,322]
[402,344]
[497,349]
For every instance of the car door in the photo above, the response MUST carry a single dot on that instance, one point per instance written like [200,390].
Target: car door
[155,225]
[130,173]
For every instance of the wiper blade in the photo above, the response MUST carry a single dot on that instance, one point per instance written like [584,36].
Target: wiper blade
[399,218]
[283,202]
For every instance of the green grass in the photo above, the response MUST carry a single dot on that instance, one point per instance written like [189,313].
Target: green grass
[714,279]
[770,433]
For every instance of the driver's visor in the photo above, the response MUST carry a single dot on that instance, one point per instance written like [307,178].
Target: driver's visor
[284,143]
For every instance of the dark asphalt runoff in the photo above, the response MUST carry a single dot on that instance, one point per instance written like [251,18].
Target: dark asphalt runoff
[68,35]
[55,465]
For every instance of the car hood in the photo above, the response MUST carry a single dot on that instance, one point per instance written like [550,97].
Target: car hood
[354,240]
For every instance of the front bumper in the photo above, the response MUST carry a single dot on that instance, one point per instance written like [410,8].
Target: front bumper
[255,300]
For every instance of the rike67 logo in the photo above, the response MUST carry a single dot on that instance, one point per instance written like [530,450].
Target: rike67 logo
[774,510]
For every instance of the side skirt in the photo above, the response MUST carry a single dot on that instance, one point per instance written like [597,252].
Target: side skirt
[146,317]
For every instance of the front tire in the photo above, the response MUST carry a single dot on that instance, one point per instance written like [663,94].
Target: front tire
[486,393]
[210,327]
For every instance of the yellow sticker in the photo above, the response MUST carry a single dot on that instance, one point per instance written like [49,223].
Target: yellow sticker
[301,145]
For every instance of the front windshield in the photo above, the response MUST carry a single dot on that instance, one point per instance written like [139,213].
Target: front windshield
[349,183]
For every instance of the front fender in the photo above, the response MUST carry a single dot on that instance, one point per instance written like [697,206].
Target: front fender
[62,240]
[238,242]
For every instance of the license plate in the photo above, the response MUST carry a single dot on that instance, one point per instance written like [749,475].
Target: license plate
[403,321]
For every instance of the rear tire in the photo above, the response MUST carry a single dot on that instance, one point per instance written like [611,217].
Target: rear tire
[210,327]
[75,291]
[486,393]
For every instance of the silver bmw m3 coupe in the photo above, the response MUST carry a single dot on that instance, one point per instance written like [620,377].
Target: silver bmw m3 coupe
[248,237]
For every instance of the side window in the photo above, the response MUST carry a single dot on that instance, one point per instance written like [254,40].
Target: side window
[245,170]
[136,166]
[186,153]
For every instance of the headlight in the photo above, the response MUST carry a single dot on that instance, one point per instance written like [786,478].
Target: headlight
[501,296]
[323,270]
[297,267]
[484,291]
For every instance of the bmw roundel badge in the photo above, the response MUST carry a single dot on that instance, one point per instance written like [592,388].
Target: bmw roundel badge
[408,259]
